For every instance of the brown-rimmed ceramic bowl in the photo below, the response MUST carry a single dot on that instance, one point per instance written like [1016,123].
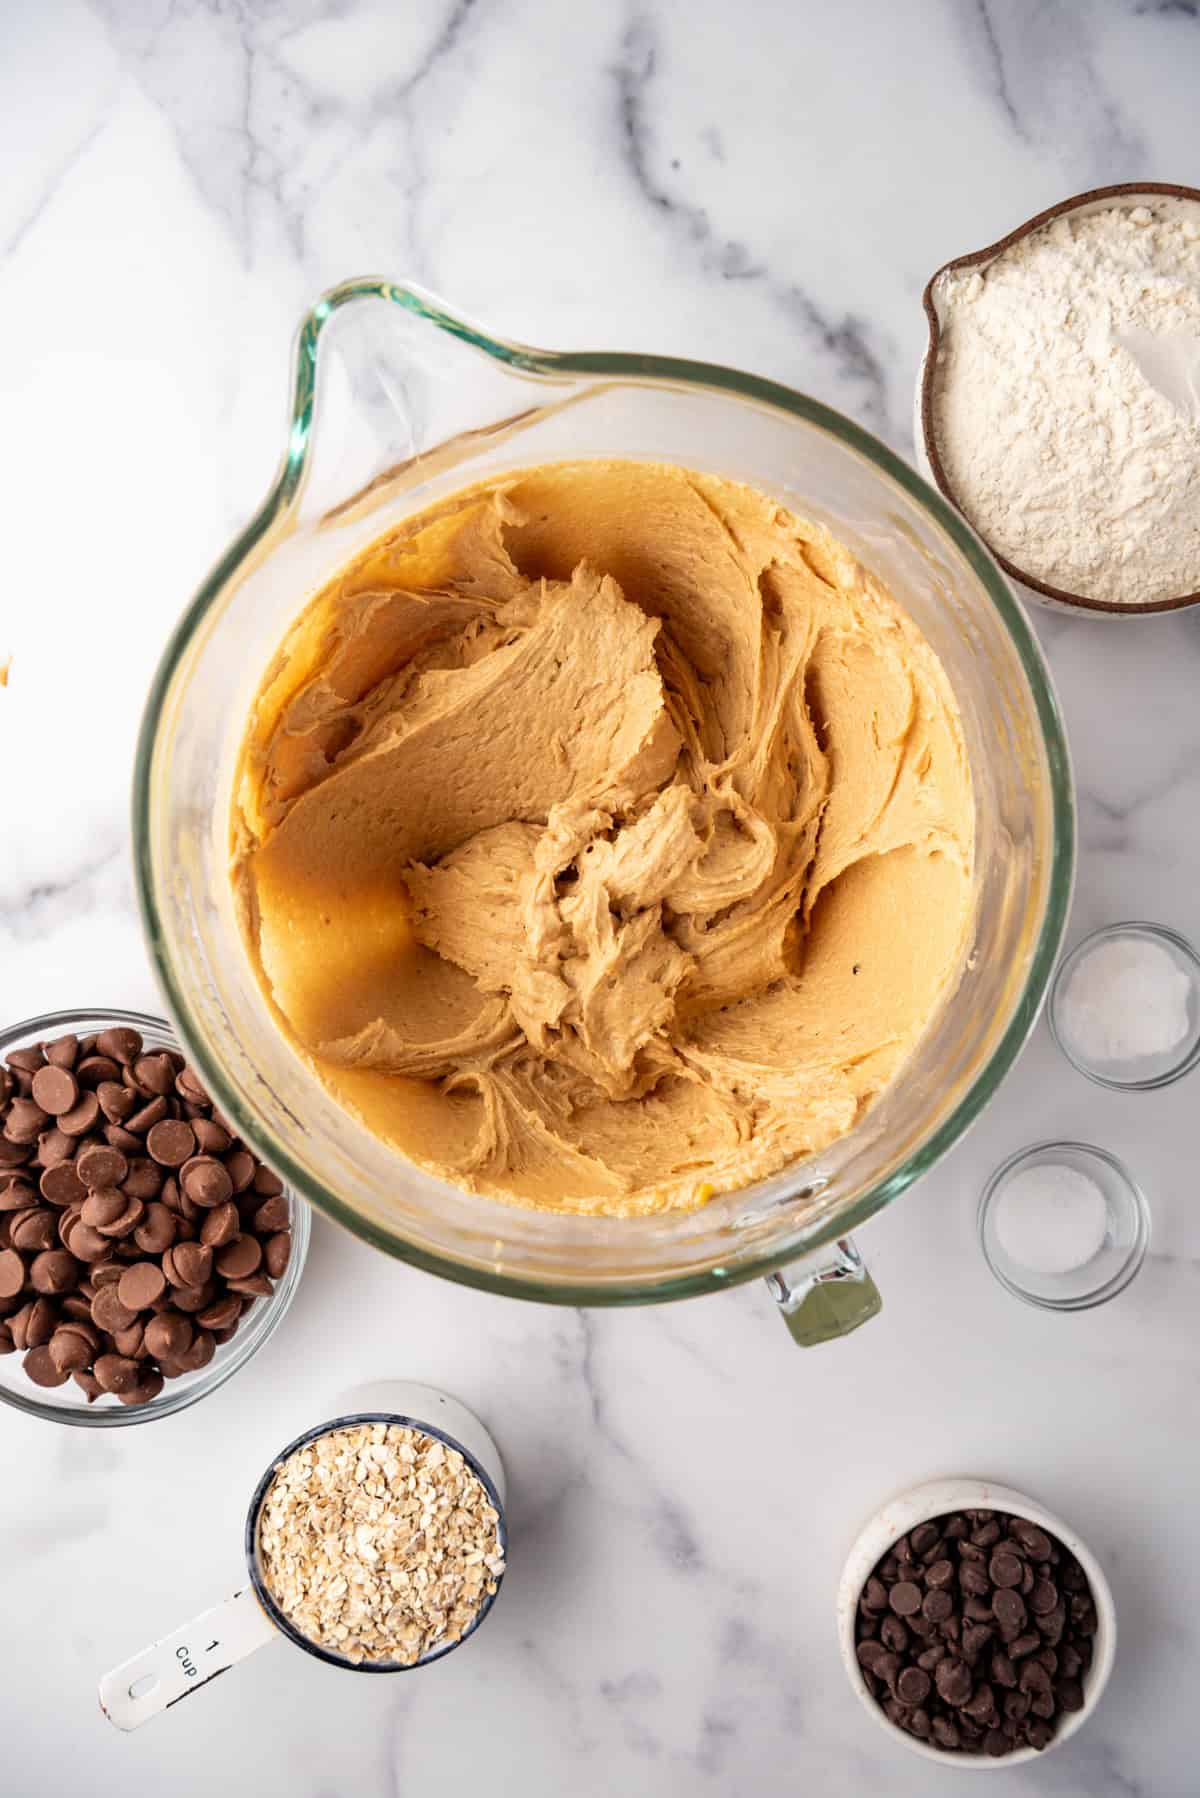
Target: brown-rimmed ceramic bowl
[924,435]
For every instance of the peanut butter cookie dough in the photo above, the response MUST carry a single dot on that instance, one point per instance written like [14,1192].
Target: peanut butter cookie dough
[604,837]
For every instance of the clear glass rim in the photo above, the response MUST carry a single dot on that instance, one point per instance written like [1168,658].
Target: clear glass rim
[279,1617]
[1118,1281]
[1069,962]
[173,1398]
[650,371]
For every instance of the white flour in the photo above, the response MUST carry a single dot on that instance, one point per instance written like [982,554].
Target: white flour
[1067,402]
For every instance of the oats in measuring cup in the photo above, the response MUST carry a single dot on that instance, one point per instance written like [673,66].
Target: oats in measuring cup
[379,1543]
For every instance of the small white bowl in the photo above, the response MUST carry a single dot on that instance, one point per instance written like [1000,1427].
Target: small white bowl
[936,1499]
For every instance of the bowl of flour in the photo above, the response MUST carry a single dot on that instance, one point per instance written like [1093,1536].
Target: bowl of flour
[1058,402]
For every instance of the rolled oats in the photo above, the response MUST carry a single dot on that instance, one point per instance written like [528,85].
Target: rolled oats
[379,1543]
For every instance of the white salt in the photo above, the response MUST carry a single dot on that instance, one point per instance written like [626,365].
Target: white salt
[1127,1000]
[1050,1219]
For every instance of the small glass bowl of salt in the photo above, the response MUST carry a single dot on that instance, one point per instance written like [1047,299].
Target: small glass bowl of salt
[1064,1225]
[1125,1006]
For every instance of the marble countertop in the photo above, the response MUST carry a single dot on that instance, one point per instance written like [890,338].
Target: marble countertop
[766,185]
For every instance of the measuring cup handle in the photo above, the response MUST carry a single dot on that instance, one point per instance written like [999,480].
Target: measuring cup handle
[182,1662]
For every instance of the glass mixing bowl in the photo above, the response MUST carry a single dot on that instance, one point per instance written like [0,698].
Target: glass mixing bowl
[396,402]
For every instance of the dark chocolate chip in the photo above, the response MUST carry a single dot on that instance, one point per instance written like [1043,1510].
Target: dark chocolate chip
[1005,1568]
[1034,1540]
[1003,1670]
[922,1538]
[1069,1694]
[953,1681]
[1043,1598]
[904,1597]
[1009,1610]
[913,1685]
[973,1579]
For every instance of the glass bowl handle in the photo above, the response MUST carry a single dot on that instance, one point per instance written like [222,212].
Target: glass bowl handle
[825,1295]
[179,1664]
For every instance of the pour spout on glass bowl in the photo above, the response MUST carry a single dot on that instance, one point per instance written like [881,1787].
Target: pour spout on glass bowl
[397,403]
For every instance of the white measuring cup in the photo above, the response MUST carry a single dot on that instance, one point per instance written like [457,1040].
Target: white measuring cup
[181,1663]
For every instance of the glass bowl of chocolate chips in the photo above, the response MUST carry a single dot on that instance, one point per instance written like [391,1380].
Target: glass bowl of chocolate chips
[145,1253]
[975,1626]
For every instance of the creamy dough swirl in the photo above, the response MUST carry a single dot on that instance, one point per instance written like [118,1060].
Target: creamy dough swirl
[604,837]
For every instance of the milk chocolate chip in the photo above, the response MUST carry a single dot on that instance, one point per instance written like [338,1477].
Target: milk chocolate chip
[60,1185]
[55,1089]
[82,1117]
[12,1274]
[116,1373]
[278,1253]
[241,1257]
[206,1181]
[171,1143]
[220,1225]
[168,1335]
[53,1272]
[141,1284]
[188,1264]
[122,1044]
[32,1230]
[100,1166]
[74,1346]
[40,1366]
